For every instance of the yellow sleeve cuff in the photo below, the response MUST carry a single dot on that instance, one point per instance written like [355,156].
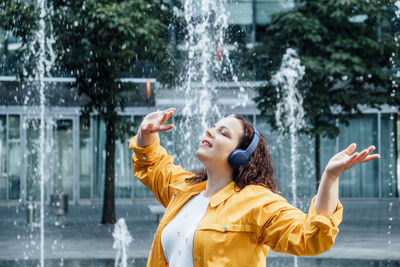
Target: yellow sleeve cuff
[144,153]
[324,222]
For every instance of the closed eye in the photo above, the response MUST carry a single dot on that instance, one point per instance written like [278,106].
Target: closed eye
[224,133]
[223,130]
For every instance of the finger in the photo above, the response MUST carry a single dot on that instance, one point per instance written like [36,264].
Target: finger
[363,154]
[350,149]
[167,114]
[167,127]
[371,157]
[353,159]
[171,109]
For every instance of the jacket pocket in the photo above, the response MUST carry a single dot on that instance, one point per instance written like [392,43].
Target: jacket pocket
[226,242]
[229,233]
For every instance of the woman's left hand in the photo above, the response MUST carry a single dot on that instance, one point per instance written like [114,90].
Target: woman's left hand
[345,160]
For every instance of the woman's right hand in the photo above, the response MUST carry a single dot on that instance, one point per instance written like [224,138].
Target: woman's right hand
[152,123]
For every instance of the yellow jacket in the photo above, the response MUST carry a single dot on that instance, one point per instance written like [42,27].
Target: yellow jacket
[239,226]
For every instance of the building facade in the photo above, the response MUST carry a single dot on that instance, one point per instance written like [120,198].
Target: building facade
[75,149]
[75,154]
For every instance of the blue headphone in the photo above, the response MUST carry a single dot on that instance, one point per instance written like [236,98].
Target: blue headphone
[239,156]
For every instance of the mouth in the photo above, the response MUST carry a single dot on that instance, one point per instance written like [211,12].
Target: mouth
[205,143]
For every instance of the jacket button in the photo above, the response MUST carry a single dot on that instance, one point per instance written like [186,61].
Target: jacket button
[226,228]
[144,158]
[174,194]
[196,259]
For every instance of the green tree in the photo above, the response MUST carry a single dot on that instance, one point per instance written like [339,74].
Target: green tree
[100,42]
[347,48]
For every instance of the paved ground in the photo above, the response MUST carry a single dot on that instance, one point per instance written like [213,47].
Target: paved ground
[370,231]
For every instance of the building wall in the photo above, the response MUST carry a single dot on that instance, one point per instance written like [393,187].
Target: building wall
[75,157]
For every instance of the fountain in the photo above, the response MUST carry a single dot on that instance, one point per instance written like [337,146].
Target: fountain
[289,115]
[43,68]
[207,60]
[122,239]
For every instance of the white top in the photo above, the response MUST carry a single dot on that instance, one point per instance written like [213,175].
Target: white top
[177,236]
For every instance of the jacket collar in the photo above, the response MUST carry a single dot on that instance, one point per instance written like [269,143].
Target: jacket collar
[222,195]
[216,199]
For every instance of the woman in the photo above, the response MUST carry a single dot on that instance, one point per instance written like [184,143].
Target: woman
[229,214]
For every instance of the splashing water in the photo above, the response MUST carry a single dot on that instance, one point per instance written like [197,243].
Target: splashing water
[122,239]
[207,63]
[46,58]
[289,113]
[392,137]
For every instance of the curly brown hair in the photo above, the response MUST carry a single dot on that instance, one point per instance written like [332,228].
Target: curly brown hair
[259,170]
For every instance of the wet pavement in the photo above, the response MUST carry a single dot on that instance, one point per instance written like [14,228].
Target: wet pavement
[370,231]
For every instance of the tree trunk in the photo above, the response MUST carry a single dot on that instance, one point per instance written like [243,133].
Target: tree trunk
[109,190]
[317,161]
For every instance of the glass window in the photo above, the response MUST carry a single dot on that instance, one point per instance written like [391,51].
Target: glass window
[85,158]
[361,180]
[281,156]
[32,170]
[123,163]
[99,154]
[13,123]
[388,156]
[264,9]
[64,165]
[240,12]
[398,156]
[3,157]
[140,191]
[14,156]
[14,174]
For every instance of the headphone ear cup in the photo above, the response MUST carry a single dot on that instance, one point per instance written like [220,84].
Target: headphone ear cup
[238,158]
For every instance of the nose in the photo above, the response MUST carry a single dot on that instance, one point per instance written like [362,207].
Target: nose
[209,133]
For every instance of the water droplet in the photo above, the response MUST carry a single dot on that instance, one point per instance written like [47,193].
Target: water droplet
[178,234]
[389,242]
[179,252]
[390,218]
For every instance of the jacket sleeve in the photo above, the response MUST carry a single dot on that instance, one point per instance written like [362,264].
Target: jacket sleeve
[286,229]
[155,169]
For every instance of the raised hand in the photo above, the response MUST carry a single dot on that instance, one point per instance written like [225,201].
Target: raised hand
[328,190]
[155,122]
[152,123]
[344,160]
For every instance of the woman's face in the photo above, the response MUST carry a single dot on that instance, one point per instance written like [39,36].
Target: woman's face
[219,142]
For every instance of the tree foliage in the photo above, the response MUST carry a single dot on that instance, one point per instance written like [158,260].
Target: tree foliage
[347,48]
[100,42]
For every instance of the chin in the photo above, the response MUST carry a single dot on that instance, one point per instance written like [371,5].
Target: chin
[201,155]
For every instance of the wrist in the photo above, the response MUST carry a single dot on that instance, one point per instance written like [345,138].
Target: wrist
[144,138]
[329,176]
